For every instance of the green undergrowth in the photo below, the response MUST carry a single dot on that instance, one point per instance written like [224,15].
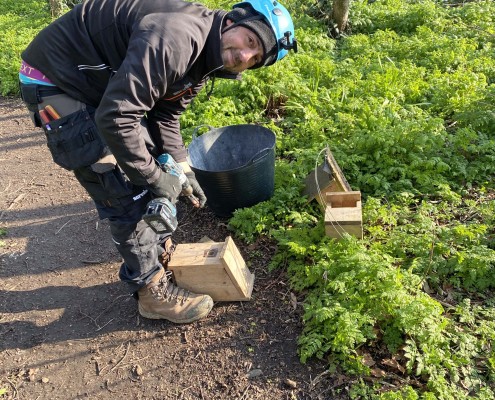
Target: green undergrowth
[19,22]
[3,233]
[405,103]
[404,100]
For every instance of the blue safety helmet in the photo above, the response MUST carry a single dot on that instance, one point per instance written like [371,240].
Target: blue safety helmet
[280,21]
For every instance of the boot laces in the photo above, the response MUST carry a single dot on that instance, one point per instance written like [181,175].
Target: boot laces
[169,248]
[166,290]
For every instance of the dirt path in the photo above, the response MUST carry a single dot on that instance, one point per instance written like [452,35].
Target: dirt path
[68,330]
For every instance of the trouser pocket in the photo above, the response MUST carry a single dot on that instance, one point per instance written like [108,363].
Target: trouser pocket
[74,141]
[114,183]
[105,186]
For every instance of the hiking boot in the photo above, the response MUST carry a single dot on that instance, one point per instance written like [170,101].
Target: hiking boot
[162,299]
[165,257]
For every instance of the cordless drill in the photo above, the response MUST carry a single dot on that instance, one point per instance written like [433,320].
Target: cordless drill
[161,214]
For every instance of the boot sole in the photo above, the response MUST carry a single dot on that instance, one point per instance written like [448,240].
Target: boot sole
[150,315]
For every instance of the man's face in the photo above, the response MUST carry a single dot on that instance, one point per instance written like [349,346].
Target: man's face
[241,49]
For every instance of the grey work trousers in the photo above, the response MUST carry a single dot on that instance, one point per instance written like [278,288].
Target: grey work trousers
[115,198]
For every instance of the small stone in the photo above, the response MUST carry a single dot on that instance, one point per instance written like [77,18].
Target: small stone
[45,380]
[254,373]
[32,374]
[138,370]
[290,383]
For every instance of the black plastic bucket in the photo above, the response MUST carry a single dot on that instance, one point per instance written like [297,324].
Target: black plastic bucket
[235,166]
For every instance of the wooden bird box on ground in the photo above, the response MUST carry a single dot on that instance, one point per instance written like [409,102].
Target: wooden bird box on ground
[216,269]
[343,213]
[327,177]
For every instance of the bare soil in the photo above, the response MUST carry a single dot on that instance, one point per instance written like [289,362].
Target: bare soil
[69,330]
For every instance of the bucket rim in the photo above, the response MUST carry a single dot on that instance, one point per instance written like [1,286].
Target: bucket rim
[256,158]
[261,154]
[195,136]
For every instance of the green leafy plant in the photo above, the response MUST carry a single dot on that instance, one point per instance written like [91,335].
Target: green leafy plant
[405,102]
[19,22]
[3,233]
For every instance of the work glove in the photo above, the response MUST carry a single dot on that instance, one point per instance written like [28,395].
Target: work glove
[167,185]
[197,191]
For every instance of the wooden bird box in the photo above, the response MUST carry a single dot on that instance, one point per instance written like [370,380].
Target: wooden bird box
[327,177]
[216,269]
[343,213]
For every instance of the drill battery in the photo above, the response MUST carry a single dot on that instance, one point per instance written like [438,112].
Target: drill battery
[161,215]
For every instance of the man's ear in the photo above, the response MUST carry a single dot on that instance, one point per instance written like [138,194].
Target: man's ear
[228,22]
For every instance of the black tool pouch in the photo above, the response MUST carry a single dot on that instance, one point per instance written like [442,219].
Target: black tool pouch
[74,141]
[29,93]
[32,95]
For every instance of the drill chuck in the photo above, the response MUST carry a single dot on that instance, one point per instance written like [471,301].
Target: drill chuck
[168,165]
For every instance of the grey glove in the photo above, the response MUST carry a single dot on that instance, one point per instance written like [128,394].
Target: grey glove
[167,185]
[197,191]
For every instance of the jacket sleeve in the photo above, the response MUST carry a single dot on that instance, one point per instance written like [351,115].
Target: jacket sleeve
[164,124]
[135,89]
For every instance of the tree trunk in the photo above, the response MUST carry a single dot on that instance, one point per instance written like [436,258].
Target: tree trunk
[56,7]
[340,13]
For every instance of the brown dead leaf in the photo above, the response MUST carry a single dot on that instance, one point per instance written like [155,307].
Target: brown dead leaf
[393,363]
[368,360]
[378,373]
[448,292]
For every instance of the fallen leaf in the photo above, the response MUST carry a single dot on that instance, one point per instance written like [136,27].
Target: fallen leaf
[378,373]
[392,362]
[368,360]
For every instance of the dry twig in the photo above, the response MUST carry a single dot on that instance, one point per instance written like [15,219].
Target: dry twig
[12,203]
[62,227]
[244,393]
[122,359]
[14,396]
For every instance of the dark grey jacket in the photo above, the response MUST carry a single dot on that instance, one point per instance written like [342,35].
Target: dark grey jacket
[131,58]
